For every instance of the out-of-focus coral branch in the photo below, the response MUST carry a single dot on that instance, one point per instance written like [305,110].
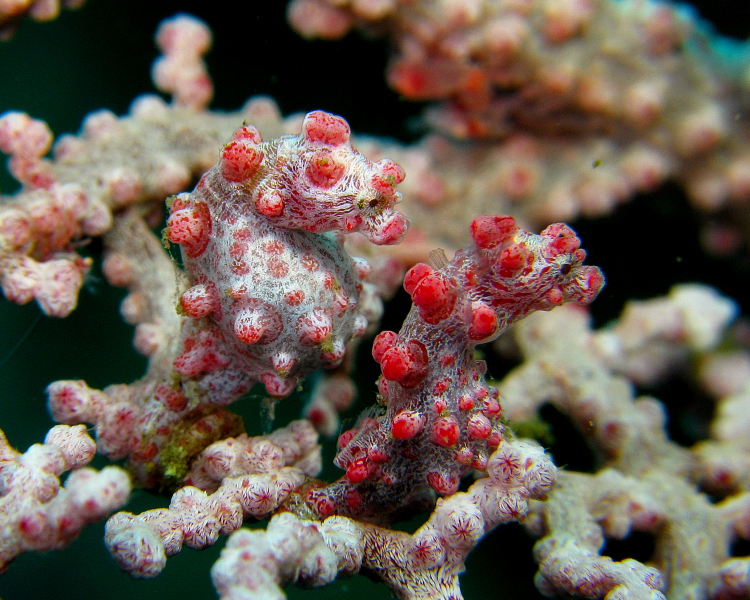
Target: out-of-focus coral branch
[12,11]
[36,511]
[583,102]
[647,483]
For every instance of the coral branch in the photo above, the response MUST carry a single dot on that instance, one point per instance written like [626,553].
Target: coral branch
[442,420]
[36,511]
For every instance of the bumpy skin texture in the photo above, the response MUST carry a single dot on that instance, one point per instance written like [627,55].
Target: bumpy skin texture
[442,420]
[275,297]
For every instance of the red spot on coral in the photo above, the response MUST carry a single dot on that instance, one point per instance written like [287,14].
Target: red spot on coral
[278,268]
[309,263]
[294,298]
[273,247]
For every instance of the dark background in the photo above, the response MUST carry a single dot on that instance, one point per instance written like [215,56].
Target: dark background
[100,57]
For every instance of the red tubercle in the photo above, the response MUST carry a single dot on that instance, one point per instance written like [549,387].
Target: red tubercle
[479,461]
[590,281]
[190,227]
[248,133]
[240,160]
[283,363]
[466,402]
[434,297]
[412,81]
[323,170]
[314,328]
[362,267]
[351,223]
[478,427]
[491,231]
[441,386]
[378,455]
[464,456]
[443,483]
[325,128]
[406,364]
[555,296]
[414,275]
[483,322]
[33,525]
[513,260]
[391,231]
[383,342]
[277,386]
[270,203]
[144,452]
[358,470]
[200,300]
[320,502]
[563,240]
[407,424]
[199,356]
[390,171]
[439,406]
[258,324]
[346,437]
[491,407]
[354,500]
[445,432]
[174,399]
